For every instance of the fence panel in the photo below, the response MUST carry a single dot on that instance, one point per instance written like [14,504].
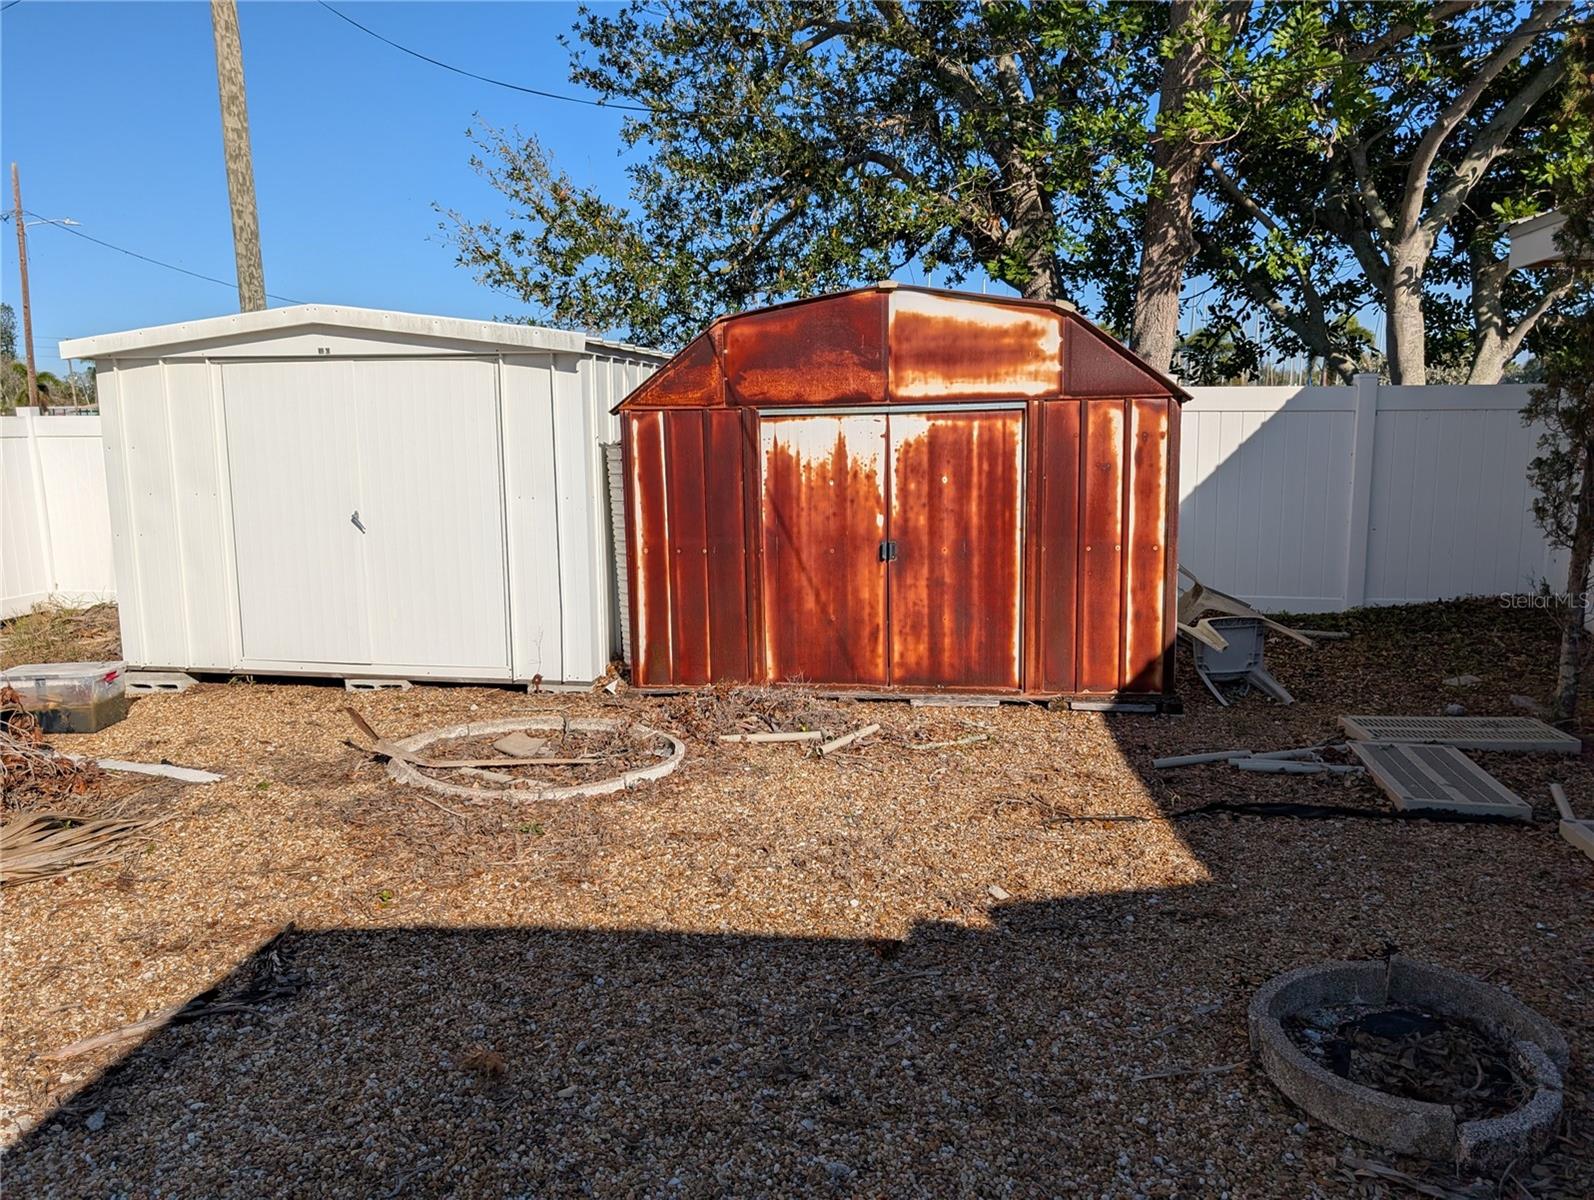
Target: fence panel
[1321,498]
[55,524]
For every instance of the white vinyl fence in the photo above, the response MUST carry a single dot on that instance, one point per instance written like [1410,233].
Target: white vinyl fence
[55,526]
[1314,499]
[1308,499]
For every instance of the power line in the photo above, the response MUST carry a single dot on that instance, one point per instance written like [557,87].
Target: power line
[229,283]
[9,7]
[514,87]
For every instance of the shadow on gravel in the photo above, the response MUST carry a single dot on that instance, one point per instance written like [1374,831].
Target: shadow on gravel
[502,1062]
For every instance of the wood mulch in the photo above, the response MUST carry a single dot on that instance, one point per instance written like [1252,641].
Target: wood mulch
[885,971]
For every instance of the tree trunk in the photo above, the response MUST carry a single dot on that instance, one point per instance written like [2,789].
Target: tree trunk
[1045,280]
[1166,241]
[1405,342]
[1574,605]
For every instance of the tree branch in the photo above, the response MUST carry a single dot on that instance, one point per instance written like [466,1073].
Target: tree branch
[1519,331]
[1365,188]
[1448,121]
[1312,332]
[1440,13]
[1489,145]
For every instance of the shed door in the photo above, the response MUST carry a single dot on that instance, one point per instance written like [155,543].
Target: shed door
[824,518]
[291,449]
[431,497]
[956,582]
[893,549]
[368,514]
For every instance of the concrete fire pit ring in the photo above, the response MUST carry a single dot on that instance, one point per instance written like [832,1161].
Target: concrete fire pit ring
[1537,1049]
[409,774]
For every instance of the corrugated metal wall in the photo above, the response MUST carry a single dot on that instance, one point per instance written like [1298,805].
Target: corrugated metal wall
[974,517]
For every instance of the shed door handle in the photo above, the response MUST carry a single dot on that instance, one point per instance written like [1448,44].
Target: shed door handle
[354,519]
[888,552]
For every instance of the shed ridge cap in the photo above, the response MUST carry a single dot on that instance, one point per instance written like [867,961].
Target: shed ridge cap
[289,317]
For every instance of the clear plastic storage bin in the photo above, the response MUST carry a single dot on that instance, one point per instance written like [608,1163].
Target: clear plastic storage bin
[71,697]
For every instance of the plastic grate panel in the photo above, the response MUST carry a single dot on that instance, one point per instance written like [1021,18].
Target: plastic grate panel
[1418,777]
[1464,733]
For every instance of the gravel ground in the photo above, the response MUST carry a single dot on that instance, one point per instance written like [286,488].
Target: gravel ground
[769,973]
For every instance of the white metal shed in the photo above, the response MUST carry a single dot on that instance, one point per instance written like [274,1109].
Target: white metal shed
[341,491]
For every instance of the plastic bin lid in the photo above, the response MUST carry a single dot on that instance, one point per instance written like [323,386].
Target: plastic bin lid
[103,671]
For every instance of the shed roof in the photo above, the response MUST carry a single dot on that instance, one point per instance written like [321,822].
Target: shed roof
[253,325]
[891,344]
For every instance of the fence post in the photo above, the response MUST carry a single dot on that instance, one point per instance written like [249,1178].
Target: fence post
[1361,489]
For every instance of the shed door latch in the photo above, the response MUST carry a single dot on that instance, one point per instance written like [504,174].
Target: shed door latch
[354,519]
[888,552]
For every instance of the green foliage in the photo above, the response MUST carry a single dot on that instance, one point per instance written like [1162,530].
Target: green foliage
[8,331]
[1217,354]
[1383,132]
[788,149]
[1563,408]
[791,149]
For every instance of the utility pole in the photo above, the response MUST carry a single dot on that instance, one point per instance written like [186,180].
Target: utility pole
[22,270]
[235,144]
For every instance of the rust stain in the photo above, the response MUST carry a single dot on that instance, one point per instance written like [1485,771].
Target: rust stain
[691,378]
[950,348]
[825,352]
[824,585]
[1054,481]
[956,584]
[1099,617]
[687,515]
[647,547]
[1145,538]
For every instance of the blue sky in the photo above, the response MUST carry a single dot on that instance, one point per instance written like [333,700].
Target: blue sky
[110,111]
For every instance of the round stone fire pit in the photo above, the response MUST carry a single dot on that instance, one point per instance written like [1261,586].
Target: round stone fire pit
[1317,1027]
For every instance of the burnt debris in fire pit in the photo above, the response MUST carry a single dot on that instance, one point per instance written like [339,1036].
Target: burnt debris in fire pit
[1408,1052]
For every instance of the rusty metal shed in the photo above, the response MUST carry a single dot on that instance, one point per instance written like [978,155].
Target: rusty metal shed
[901,490]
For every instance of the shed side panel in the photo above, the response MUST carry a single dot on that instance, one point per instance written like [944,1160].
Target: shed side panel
[157,553]
[946,348]
[724,489]
[831,351]
[531,509]
[124,530]
[688,545]
[206,577]
[1095,365]
[1170,562]
[1055,545]
[583,576]
[1145,541]
[647,536]
[1101,552]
